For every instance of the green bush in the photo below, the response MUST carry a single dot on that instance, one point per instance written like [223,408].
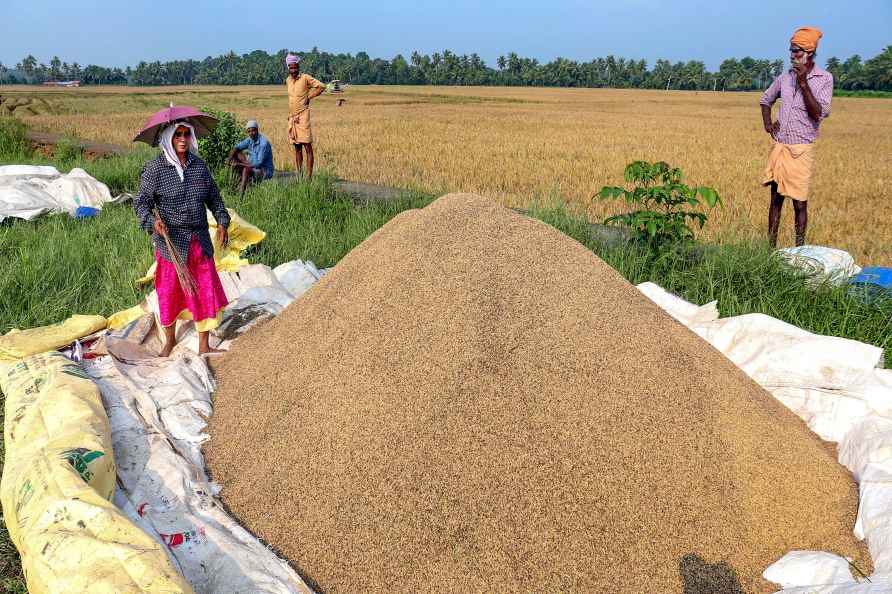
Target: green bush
[67,151]
[215,148]
[666,206]
[14,143]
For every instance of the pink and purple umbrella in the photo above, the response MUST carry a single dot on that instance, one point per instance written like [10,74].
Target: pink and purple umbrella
[202,122]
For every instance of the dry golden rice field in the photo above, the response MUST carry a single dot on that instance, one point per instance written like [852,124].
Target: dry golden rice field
[517,144]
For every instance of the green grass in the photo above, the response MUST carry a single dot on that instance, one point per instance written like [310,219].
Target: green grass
[61,266]
[874,94]
[64,266]
[11,579]
[13,144]
[312,221]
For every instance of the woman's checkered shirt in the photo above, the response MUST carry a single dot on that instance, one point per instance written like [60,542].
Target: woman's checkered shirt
[181,204]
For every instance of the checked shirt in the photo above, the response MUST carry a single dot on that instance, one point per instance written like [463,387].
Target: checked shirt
[796,127]
[181,204]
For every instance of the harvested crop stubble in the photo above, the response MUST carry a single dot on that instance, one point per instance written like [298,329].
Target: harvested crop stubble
[473,401]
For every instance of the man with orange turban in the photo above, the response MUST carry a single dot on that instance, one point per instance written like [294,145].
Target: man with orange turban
[805,91]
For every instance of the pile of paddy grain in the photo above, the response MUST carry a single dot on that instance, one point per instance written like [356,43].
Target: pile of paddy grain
[472,400]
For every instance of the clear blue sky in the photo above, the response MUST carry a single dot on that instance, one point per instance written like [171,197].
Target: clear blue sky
[123,32]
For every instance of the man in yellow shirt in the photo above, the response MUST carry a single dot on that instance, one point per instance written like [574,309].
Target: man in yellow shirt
[301,89]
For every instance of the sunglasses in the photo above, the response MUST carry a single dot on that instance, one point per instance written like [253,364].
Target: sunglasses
[796,50]
[182,134]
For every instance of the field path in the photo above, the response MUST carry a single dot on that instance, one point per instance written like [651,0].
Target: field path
[361,192]
[93,149]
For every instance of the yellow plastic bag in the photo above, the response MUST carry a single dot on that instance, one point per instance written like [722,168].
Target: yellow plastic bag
[118,320]
[57,485]
[18,344]
[242,235]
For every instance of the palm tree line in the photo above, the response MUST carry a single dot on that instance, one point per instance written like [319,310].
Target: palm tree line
[448,68]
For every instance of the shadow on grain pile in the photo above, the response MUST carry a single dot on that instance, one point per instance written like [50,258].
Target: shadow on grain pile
[700,577]
[472,400]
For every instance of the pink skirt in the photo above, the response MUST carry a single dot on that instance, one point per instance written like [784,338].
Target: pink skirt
[205,308]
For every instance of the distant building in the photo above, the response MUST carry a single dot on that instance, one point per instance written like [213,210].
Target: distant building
[60,83]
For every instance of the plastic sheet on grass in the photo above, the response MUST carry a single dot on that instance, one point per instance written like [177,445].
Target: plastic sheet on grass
[29,191]
[821,263]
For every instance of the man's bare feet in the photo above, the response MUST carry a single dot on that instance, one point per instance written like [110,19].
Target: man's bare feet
[165,352]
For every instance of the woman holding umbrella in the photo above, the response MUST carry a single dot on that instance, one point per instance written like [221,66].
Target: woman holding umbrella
[174,190]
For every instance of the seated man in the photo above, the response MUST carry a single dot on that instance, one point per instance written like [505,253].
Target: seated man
[258,165]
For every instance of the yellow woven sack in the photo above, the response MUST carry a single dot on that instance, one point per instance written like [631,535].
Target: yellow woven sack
[18,344]
[57,485]
[120,319]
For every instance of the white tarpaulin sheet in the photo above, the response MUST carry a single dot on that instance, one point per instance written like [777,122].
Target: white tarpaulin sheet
[158,411]
[29,191]
[255,292]
[821,263]
[836,386]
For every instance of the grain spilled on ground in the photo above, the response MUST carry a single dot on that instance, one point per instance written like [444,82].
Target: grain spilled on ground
[473,401]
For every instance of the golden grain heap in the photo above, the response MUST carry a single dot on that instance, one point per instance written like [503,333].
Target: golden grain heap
[473,401]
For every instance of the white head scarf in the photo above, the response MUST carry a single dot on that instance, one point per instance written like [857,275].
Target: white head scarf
[166,144]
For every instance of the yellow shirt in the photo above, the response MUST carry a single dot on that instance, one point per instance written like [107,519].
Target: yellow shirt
[298,91]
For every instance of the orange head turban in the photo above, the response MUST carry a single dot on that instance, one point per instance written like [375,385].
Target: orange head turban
[807,38]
